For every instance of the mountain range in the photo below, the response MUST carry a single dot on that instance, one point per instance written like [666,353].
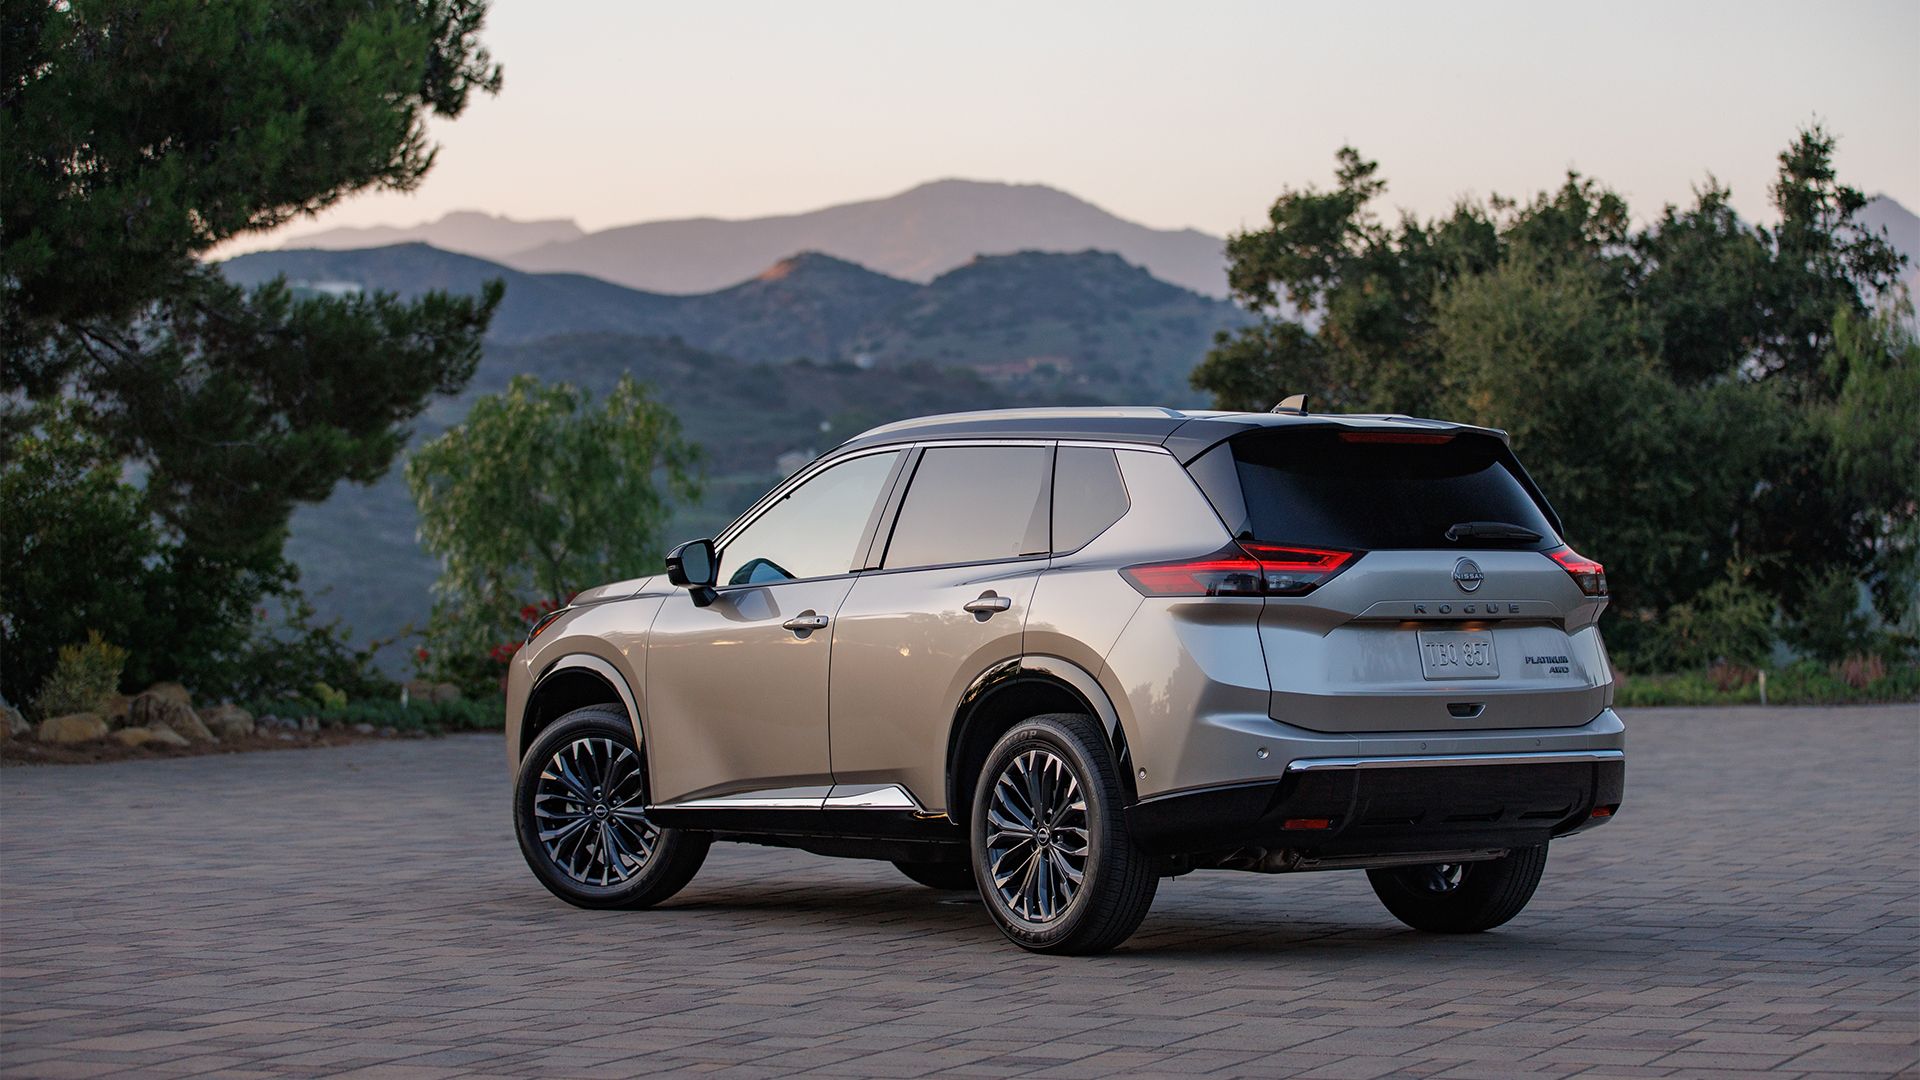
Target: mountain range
[470,232]
[763,374]
[1088,322]
[916,235]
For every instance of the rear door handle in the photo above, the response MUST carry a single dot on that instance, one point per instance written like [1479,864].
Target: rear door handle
[801,623]
[988,603]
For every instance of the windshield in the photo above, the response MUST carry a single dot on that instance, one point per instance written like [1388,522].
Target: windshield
[1353,489]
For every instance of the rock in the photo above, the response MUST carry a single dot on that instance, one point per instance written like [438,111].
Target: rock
[387,732]
[117,710]
[163,736]
[363,729]
[228,722]
[309,723]
[73,728]
[270,722]
[142,736]
[154,710]
[12,724]
[172,691]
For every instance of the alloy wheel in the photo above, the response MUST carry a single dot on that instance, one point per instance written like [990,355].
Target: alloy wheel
[1438,878]
[588,807]
[1037,840]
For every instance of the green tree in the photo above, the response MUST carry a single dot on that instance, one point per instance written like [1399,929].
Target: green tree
[539,493]
[135,136]
[1694,394]
[70,530]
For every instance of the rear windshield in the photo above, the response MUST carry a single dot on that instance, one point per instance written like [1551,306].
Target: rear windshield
[1326,488]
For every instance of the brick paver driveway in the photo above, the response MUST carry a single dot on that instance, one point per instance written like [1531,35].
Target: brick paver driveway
[1755,907]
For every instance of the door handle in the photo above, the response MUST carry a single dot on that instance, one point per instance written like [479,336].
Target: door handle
[803,623]
[988,603]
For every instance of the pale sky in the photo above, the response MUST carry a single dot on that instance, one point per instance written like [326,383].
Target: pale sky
[1177,114]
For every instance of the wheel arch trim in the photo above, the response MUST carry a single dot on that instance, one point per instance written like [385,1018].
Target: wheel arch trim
[1034,667]
[600,668]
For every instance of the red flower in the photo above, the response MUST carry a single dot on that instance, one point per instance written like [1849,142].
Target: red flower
[421,654]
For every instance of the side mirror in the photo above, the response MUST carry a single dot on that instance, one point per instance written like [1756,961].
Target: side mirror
[691,567]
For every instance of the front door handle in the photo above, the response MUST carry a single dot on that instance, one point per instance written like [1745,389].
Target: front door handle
[988,603]
[805,622]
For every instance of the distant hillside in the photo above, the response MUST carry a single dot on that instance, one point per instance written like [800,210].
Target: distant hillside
[469,232]
[917,235]
[357,553]
[1086,323]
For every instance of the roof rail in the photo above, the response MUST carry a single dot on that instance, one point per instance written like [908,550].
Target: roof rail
[1135,412]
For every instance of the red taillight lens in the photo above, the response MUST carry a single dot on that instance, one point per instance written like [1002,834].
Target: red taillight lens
[1589,575]
[1241,570]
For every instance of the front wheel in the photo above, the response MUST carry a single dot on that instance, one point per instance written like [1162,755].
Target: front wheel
[1058,870]
[1461,898]
[579,810]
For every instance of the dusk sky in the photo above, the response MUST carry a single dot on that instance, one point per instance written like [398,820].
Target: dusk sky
[1172,115]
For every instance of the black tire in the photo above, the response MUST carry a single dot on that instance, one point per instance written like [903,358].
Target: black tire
[1117,880]
[1462,898]
[945,876]
[591,736]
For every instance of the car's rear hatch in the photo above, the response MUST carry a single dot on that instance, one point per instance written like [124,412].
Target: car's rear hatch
[1450,602]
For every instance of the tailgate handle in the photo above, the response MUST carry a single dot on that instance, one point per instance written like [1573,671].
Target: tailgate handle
[1466,710]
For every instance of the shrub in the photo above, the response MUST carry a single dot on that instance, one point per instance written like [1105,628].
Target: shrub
[1833,622]
[1860,671]
[1730,621]
[83,677]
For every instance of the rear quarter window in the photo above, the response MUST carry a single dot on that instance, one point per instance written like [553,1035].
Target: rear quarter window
[1088,495]
[1334,488]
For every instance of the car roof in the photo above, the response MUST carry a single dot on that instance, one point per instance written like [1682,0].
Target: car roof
[1187,433]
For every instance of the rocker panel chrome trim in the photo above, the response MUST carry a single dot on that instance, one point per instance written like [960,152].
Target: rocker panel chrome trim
[867,797]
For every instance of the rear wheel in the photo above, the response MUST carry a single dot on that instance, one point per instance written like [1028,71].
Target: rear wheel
[1058,870]
[1461,898]
[946,876]
[579,810]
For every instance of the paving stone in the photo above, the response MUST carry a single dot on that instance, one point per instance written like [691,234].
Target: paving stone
[364,911]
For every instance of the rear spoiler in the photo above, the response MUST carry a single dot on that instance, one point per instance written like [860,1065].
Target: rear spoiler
[1191,441]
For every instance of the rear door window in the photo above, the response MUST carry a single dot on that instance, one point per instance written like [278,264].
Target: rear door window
[1376,491]
[973,504]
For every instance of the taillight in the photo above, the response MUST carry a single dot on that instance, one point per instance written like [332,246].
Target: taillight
[1247,569]
[1589,575]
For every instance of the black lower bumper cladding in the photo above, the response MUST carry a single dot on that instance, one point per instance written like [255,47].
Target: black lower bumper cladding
[1386,810]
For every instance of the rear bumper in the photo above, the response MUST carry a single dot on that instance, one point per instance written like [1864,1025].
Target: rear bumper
[1353,807]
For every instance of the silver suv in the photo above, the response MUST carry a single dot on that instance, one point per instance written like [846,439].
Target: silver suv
[1058,655]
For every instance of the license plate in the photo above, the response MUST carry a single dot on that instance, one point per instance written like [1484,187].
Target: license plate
[1457,654]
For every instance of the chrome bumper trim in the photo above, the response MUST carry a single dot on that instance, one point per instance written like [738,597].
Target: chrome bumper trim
[1425,761]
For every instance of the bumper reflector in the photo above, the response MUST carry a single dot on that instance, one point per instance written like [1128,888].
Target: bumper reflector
[1307,823]
[1602,812]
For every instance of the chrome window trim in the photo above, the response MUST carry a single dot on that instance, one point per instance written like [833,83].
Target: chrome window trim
[1426,761]
[778,491]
